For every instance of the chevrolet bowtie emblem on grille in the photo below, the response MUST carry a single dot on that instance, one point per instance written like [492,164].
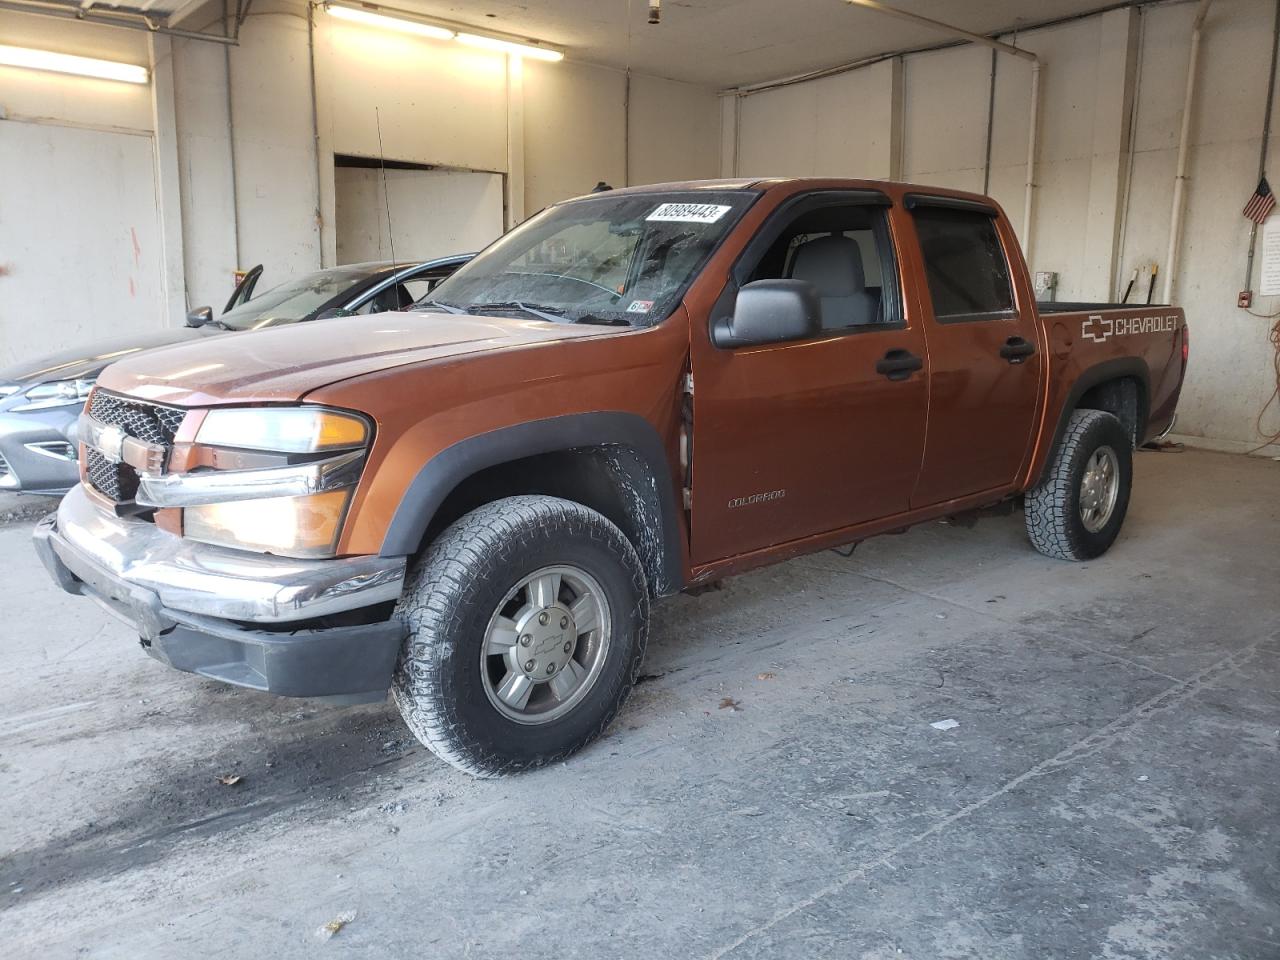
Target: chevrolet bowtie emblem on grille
[118,447]
[110,443]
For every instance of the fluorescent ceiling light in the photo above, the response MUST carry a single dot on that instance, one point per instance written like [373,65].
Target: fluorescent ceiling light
[390,23]
[65,63]
[507,46]
[422,29]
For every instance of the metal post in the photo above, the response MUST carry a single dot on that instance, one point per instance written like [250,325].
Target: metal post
[1184,141]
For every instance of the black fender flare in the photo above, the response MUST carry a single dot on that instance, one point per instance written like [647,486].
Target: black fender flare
[1117,369]
[440,475]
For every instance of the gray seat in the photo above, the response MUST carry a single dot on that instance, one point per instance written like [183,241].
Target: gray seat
[833,264]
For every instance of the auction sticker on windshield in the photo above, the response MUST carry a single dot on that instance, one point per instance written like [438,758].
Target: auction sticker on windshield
[689,212]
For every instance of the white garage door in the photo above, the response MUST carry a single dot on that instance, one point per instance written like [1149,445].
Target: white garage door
[80,256]
[433,212]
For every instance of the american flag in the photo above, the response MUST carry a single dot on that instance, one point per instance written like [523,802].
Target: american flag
[1261,203]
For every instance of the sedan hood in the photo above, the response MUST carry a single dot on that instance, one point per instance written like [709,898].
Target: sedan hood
[286,363]
[87,362]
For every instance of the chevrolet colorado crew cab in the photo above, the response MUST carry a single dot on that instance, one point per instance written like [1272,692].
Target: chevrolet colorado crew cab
[632,394]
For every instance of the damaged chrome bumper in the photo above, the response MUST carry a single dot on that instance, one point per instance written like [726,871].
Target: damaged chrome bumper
[226,613]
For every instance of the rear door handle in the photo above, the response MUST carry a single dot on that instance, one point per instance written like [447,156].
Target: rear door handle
[1016,349]
[899,364]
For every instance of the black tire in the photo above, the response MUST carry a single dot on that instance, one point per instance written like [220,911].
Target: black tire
[1054,522]
[450,596]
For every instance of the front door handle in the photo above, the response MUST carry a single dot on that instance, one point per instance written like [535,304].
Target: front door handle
[1016,349]
[899,364]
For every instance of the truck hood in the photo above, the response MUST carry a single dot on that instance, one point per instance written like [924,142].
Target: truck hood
[284,364]
[87,361]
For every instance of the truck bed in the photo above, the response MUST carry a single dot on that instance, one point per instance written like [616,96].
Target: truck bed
[1080,306]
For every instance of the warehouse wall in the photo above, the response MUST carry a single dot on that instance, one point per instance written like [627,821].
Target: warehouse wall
[674,130]
[823,128]
[80,238]
[207,188]
[582,125]
[1111,108]
[1231,371]
[574,130]
[31,95]
[552,130]
[433,213]
[264,192]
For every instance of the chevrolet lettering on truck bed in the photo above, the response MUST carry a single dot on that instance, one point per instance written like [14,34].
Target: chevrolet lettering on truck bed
[634,393]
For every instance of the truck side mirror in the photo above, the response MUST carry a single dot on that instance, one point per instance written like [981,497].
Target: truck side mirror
[770,311]
[199,316]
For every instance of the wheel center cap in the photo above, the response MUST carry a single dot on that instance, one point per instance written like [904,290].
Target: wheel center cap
[547,637]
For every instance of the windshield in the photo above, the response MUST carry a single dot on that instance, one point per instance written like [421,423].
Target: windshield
[622,259]
[295,299]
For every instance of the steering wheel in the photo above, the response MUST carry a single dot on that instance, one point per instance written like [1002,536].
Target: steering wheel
[564,276]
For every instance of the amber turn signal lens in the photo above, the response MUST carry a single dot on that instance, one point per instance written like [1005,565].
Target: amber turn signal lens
[339,430]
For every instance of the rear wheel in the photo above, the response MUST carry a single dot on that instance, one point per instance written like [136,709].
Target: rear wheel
[527,622]
[1077,509]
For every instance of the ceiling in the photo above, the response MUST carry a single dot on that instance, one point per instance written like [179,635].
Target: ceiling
[732,42]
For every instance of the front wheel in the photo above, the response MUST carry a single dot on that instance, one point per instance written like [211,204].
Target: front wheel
[1077,509]
[527,622]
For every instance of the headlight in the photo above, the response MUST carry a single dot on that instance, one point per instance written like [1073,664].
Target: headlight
[59,393]
[282,429]
[289,526]
[293,504]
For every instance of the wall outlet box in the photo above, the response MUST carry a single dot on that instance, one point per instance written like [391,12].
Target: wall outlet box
[1244,299]
[1046,282]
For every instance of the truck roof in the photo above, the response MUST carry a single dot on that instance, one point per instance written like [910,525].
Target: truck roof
[766,183]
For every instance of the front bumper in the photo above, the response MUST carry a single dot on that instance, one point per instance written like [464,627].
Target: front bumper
[29,462]
[195,605]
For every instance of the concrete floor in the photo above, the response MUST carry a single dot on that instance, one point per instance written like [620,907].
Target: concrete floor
[774,788]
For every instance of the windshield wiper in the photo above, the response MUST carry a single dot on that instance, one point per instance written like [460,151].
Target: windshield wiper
[542,313]
[440,304]
[603,321]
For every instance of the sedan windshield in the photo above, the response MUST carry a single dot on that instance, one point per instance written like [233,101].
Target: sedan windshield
[621,259]
[295,299]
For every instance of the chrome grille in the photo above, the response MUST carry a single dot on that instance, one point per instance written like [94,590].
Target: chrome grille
[4,467]
[114,480]
[146,421]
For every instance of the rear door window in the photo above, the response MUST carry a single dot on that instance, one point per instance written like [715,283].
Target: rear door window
[965,264]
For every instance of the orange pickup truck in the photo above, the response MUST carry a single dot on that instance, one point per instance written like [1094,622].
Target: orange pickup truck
[634,393]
